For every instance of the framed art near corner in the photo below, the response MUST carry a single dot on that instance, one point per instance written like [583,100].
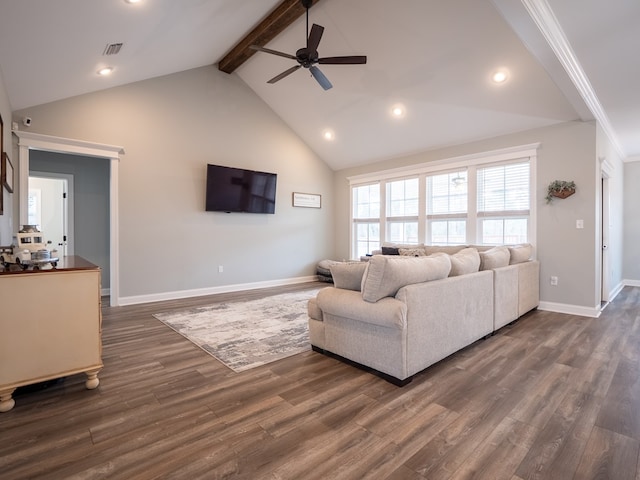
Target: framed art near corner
[6,176]
[309,200]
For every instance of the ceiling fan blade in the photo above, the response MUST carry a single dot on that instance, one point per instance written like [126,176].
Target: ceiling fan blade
[289,71]
[272,52]
[319,76]
[350,60]
[314,37]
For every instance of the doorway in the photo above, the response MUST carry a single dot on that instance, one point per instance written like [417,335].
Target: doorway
[28,141]
[605,228]
[50,207]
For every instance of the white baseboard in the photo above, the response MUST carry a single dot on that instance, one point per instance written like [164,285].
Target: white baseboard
[631,283]
[570,309]
[199,292]
[105,292]
[614,293]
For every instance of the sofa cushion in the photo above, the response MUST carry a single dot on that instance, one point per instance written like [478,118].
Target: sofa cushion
[412,252]
[465,261]
[450,249]
[520,253]
[495,257]
[348,275]
[385,275]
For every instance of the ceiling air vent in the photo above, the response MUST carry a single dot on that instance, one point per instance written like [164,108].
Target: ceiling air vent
[112,49]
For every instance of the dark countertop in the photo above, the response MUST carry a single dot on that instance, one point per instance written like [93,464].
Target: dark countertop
[73,262]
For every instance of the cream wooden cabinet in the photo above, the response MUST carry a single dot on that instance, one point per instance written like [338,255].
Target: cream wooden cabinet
[50,326]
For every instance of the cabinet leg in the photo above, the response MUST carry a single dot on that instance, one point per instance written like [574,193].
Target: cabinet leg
[6,400]
[92,379]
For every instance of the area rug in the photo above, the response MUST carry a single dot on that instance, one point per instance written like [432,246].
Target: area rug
[244,335]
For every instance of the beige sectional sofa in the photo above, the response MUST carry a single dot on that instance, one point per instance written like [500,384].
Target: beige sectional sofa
[399,314]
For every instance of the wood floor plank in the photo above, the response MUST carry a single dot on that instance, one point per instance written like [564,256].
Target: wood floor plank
[556,452]
[549,396]
[500,454]
[609,455]
[621,411]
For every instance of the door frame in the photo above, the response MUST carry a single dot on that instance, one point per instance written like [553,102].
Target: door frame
[69,232]
[34,141]
[606,173]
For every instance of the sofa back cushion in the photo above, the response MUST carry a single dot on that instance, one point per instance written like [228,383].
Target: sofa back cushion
[449,249]
[348,275]
[520,253]
[495,257]
[465,261]
[385,275]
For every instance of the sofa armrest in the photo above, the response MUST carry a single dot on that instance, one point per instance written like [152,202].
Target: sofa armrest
[386,312]
[313,310]
[528,286]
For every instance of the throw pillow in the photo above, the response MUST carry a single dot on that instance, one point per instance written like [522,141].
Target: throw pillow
[348,275]
[520,253]
[385,275]
[390,251]
[465,261]
[495,257]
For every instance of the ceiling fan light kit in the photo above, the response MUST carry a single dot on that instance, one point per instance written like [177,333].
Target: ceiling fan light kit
[307,57]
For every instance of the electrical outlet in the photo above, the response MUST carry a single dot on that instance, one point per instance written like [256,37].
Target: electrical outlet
[553,281]
[220,269]
[579,223]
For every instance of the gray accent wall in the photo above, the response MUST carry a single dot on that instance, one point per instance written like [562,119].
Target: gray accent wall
[90,202]
[170,128]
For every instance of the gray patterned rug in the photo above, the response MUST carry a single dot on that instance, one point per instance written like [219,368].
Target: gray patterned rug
[244,335]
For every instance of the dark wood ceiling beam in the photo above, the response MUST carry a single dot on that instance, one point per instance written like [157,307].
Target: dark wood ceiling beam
[282,16]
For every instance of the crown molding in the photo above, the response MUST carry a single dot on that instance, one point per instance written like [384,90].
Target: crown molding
[541,13]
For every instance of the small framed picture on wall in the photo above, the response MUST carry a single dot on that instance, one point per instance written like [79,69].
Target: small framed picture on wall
[6,177]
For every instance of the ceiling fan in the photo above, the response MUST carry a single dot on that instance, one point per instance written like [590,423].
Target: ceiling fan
[307,57]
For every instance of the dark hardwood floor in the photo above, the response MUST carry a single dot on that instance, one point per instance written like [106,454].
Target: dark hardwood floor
[552,396]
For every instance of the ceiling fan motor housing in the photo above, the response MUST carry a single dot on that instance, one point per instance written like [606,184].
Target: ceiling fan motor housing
[305,59]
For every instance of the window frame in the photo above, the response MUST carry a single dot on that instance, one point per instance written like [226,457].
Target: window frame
[471,163]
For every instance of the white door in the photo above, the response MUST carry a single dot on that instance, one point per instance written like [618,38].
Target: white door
[51,209]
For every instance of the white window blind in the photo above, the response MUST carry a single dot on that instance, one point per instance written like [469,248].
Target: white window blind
[504,189]
[503,203]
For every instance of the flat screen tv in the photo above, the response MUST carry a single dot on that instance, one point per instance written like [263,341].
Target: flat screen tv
[237,190]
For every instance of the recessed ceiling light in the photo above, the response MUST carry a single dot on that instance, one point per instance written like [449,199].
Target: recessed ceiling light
[105,71]
[398,110]
[500,76]
[328,135]
[131,1]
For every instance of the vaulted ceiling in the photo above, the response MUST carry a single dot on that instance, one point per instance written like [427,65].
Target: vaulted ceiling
[565,59]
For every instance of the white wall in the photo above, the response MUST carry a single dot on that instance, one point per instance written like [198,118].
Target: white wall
[170,128]
[567,152]
[631,268]
[6,219]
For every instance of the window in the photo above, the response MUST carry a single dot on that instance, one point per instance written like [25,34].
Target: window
[402,211]
[477,199]
[503,203]
[447,208]
[366,218]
